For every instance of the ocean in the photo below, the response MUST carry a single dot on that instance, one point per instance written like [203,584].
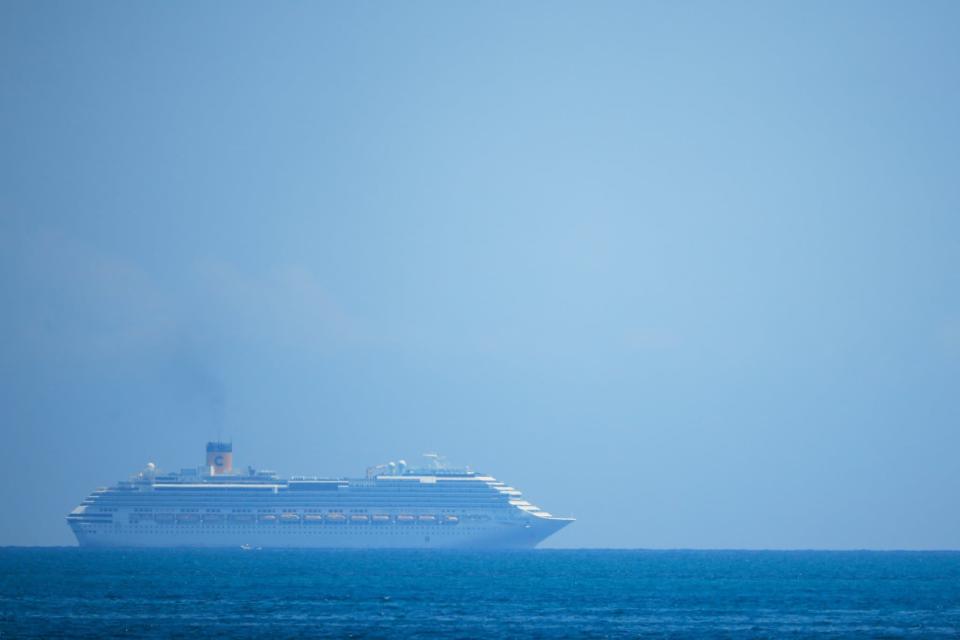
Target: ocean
[80,593]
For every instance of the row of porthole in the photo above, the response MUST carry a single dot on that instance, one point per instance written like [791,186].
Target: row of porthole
[314,531]
[280,520]
[220,527]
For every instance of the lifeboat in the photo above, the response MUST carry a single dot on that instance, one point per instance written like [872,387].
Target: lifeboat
[289,518]
[429,519]
[241,517]
[312,518]
[212,518]
[336,518]
[405,518]
[359,518]
[451,520]
[188,518]
[268,518]
[163,517]
[380,518]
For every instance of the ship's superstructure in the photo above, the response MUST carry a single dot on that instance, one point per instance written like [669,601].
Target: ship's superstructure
[394,506]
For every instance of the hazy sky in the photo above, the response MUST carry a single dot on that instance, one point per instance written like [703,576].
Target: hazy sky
[688,271]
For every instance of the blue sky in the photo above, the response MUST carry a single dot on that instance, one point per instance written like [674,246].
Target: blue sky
[687,271]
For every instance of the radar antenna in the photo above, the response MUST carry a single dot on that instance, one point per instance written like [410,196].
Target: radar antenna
[438,461]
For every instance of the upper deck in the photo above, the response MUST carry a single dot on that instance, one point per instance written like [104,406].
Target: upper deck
[388,487]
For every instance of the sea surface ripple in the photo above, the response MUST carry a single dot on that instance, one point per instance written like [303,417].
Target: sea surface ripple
[80,593]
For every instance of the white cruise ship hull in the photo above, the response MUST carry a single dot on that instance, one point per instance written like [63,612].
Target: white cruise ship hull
[211,506]
[490,535]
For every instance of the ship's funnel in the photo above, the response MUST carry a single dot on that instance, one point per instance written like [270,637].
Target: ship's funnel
[219,457]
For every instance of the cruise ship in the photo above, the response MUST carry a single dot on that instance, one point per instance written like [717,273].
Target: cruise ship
[394,506]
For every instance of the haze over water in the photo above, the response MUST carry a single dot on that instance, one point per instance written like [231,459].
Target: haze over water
[686,271]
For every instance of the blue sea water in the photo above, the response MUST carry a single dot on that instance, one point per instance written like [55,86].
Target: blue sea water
[78,593]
